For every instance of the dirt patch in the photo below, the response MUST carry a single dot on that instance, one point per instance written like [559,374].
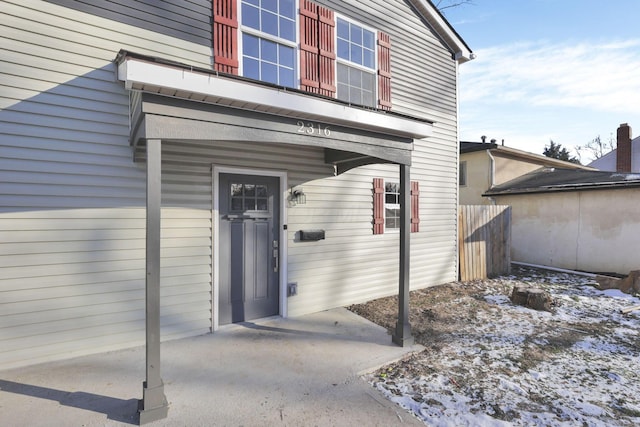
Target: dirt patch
[436,312]
[486,357]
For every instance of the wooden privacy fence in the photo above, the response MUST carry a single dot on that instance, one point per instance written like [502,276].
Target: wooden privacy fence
[484,241]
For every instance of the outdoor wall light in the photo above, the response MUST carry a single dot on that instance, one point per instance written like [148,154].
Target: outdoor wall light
[298,197]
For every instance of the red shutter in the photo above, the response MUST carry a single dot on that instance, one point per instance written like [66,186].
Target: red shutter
[317,49]
[378,206]
[309,47]
[384,71]
[327,66]
[415,206]
[225,36]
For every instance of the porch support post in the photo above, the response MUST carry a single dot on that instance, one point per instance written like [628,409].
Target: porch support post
[153,405]
[402,335]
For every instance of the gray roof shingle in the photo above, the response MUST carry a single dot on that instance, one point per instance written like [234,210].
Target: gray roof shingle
[546,180]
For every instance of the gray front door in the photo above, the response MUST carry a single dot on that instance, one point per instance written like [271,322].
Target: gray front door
[249,247]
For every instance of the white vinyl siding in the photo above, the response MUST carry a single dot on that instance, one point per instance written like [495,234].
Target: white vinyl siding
[352,265]
[72,200]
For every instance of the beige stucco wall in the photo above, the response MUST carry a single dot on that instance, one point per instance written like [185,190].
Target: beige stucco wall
[508,168]
[478,178]
[594,231]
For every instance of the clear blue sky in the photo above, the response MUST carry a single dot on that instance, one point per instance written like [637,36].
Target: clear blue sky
[561,70]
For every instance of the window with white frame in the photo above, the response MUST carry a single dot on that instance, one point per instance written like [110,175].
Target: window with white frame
[386,206]
[305,46]
[462,177]
[356,63]
[269,41]
[391,205]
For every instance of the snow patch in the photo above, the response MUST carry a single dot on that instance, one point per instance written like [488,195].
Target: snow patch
[518,367]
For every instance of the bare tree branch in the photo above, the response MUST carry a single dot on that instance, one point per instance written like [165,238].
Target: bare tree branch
[597,148]
[442,5]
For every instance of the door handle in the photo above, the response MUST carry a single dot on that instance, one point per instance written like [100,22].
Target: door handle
[276,257]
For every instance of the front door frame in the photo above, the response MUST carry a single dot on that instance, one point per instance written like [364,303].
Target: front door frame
[215,264]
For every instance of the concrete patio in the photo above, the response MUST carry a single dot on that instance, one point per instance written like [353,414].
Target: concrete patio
[277,372]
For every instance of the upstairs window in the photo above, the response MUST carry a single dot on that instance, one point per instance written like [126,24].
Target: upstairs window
[302,45]
[269,41]
[356,51]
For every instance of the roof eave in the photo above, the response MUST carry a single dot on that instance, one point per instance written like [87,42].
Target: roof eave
[539,157]
[475,148]
[559,189]
[459,49]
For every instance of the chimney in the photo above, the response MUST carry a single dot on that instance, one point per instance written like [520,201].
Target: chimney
[623,152]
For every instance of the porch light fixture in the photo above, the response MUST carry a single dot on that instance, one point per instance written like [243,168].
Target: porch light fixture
[298,197]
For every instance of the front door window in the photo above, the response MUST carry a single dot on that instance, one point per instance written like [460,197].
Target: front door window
[249,197]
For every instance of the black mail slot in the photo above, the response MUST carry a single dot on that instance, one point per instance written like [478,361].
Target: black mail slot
[311,235]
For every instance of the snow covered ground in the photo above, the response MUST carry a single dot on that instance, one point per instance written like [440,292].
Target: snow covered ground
[510,365]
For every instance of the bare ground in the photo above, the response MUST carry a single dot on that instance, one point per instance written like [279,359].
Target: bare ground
[507,362]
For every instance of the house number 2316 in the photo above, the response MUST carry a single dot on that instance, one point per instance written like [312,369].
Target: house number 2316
[313,129]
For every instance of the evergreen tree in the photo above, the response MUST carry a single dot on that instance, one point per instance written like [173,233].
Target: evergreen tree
[557,151]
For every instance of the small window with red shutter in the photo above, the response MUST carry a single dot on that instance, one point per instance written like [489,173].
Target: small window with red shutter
[386,206]
[391,205]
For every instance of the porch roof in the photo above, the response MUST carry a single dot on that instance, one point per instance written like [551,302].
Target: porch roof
[375,136]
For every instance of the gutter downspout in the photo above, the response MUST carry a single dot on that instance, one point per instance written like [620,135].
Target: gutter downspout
[492,175]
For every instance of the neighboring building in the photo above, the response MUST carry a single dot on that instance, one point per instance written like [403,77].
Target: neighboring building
[283,139]
[484,165]
[626,156]
[574,219]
